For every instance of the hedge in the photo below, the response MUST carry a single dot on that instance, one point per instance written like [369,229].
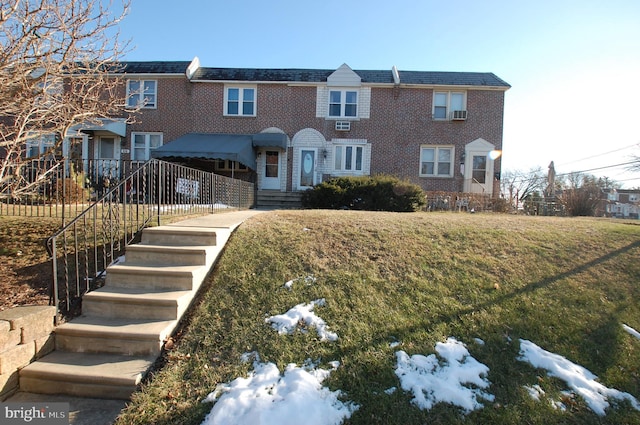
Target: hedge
[370,193]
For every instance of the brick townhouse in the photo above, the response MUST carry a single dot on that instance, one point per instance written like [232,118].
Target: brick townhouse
[288,129]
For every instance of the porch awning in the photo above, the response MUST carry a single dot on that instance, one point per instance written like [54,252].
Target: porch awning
[270,140]
[233,147]
[115,126]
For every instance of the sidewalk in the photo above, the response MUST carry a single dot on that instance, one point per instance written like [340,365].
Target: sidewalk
[91,411]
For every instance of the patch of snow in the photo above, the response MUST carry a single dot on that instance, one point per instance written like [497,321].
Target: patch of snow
[631,331]
[581,380]
[535,391]
[308,280]
[394,344]
[288,322]
[268,397]
[458,378]
[246,357]
[391,390]
[478,341]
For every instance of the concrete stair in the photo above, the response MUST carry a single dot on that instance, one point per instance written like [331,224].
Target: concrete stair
[106,352]
[275,199]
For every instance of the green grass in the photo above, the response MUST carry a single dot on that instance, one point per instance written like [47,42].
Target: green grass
[566,284]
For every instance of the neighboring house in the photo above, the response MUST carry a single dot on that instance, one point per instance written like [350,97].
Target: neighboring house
[622,203]
[289,129]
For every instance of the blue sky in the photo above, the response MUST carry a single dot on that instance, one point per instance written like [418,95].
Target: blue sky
[574,66]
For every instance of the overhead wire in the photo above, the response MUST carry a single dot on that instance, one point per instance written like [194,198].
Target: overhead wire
[601,154]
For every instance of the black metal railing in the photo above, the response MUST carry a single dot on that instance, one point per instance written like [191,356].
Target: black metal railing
[151,194]
[59,188]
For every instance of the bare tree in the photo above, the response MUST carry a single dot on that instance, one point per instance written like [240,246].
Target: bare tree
[516,186]
[57,60]
[582,194]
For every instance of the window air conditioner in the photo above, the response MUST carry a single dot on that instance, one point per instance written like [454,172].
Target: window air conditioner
[459,115]
[343,125]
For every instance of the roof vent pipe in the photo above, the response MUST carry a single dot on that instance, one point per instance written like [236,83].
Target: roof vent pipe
[396,75]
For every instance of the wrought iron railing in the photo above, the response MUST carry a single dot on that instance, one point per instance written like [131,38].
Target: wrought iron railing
[458,201]
[151,194]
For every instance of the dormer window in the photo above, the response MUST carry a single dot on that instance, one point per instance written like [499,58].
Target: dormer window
[142,93]
[343,103]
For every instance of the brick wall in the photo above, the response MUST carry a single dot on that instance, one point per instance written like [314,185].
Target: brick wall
[400,122]
[25,335]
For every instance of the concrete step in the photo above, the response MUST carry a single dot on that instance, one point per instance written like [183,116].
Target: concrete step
[141,254]
[178,278]
[106,376]
[176,236]
[277,199]
[135,303]
[87,334]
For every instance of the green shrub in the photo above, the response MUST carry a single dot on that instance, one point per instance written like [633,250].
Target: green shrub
[370,193]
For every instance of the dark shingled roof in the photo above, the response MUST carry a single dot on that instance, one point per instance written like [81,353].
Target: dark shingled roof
[320,76]
[487,79]
[156,67]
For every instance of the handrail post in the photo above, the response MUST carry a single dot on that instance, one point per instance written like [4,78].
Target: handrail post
[159,188]
[54,284]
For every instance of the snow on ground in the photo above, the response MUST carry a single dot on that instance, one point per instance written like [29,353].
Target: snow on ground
[296,396]
[579,379]
[302,313]
[631,331]
[267,397]
[308,280]
[458,379]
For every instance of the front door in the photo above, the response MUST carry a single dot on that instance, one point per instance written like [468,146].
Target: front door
[307,168]
[480,177]
[107,154]
[271,174]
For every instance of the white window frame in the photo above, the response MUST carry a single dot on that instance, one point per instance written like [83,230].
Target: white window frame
[147,144]
[448,115]
[241,100]
[42,143]
[341,161]
[436,157]
[343,103]
[141,95]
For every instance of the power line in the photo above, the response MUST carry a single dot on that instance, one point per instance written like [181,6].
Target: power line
[526,179]
[601,154]
[637,161]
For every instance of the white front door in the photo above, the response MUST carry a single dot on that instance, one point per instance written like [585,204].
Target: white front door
[307,168]
[479,177]
[271,170]
[107,155]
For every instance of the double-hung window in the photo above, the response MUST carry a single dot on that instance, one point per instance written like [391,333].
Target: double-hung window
[436,161]
[449,105]
[39,145]
[348,158]
[240,101]
[343,103]
[142,94]
[143,144]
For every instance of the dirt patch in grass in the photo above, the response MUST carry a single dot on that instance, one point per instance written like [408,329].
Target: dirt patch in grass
[25,269]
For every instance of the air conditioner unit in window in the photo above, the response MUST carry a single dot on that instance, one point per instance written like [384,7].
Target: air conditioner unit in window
[459,115]
[343,125]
